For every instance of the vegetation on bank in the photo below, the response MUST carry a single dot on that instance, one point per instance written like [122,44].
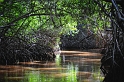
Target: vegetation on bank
[31,30]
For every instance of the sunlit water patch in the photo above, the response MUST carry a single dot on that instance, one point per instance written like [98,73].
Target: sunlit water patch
[69,66]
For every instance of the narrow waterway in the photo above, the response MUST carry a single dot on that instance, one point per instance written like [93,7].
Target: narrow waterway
[69,66]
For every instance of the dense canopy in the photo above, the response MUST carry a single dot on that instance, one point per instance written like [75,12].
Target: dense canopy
[27,24]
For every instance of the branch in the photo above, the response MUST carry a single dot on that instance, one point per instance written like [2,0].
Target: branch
[6,26]
[102,8]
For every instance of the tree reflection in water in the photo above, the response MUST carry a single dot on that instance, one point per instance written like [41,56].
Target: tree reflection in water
[69,66]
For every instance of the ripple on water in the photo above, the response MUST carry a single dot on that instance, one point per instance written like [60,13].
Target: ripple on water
[87,63]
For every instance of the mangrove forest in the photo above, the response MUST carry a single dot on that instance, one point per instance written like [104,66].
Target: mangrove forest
[59,31]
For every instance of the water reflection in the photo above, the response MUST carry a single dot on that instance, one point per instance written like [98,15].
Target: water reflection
[69,66]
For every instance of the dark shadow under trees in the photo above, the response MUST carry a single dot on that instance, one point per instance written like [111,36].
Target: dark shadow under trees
[112,62]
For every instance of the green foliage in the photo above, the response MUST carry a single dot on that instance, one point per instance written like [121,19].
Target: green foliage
[1,0]
[57,16]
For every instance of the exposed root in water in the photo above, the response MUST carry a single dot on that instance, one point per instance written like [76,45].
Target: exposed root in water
[14,50]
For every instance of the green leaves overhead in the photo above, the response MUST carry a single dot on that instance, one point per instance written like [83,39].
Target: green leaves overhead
[1,0]
[48,14]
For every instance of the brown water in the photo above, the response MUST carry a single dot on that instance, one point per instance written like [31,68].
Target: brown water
[69,66]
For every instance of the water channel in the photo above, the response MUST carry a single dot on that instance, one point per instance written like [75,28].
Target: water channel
[69,66]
